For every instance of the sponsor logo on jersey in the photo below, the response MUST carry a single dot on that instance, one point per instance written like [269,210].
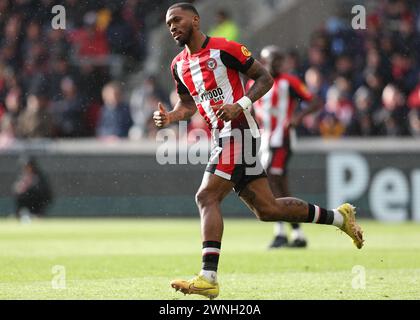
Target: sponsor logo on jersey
[216,95]
[211,64]
[245,51]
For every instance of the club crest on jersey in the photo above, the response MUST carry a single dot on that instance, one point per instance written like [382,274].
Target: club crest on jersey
[211,64]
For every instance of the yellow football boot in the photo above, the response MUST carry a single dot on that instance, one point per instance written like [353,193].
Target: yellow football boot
[350,225]
[198,285]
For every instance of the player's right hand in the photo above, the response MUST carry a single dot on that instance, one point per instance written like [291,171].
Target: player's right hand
[160,116]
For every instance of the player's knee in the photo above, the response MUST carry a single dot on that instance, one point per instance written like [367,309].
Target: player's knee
[204,198]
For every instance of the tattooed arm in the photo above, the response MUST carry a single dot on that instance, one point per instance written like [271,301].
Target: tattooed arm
[263,81]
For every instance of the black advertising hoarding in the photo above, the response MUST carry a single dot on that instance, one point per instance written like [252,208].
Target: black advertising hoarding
[381,177]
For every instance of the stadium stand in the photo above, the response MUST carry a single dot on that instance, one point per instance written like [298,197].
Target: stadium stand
[56,76]
[51,80]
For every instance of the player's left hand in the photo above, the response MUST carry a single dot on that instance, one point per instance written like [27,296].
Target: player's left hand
[229,112]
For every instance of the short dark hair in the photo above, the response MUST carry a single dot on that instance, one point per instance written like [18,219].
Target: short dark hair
[184,6]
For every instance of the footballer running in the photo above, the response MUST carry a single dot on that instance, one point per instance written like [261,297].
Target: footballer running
[213,65]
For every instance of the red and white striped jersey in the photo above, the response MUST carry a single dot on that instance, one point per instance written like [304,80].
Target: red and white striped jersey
[211,77]
[275,109]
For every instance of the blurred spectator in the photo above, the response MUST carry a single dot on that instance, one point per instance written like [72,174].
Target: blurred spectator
[134,13]
[317,57]
[404,71]
[8,121]
[344,67]
[375,84]
[120,36]
[386,45]
[5,11]
[292,63]
[35,120]
[414,97]
[322,41]
[362,123]
[330,126]
[59,69]
[32,191]
[413,103]
[414,122]
[344,86]
[336,115]
[90,40]
[143,101]
[40,11]
[32,37]
[10,40]
[225,27]
[68,113]
[8,81]
[316,83]
[341,38]
[114,119]
[339,105]
[92,80]
[407,38]
[376,64]
[391,119]
[74,13]
[12,105]
[395,10]
[57,45]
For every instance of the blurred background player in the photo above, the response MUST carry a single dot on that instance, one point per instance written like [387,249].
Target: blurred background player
[276,115]
[32,191]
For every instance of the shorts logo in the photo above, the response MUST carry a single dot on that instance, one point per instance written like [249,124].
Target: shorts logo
[245,51]
[211,64]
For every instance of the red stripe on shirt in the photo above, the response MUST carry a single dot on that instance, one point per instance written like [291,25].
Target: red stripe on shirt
[186,75]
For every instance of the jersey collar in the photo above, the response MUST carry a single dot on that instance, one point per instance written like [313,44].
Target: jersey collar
[205,42]
[203,46]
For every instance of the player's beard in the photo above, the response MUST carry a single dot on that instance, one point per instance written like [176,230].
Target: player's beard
[185,38]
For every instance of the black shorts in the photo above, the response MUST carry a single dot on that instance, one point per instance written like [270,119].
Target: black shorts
[236,159]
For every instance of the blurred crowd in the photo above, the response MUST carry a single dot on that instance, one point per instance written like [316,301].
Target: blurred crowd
[71,83]
[368,79]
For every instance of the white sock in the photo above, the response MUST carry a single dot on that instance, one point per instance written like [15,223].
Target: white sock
[297,234]
[279,229]
[210,275]
[338,219]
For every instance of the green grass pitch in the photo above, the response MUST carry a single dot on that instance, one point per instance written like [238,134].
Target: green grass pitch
[137,259]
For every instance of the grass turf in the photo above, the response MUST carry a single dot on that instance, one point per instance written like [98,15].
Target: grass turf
[137,258]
